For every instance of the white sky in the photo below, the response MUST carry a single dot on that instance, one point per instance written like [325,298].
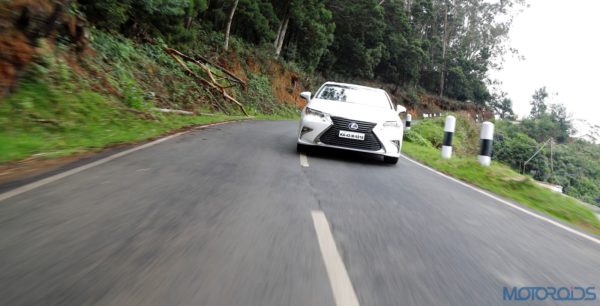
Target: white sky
[561,44]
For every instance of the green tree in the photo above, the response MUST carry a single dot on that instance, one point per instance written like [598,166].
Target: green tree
[538,103]
[564,127]
[358,39]
[305,31]
[502,106]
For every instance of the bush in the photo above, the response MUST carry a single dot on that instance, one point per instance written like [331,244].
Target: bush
[574,165]
[466,134]
[416,138]
[432,130]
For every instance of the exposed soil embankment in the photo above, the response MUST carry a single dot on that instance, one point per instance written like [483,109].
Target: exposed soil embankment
[22,24]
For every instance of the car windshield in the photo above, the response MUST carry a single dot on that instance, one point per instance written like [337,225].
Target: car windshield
[365,96]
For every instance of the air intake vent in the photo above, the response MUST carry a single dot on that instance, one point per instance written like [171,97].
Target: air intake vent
[330,137]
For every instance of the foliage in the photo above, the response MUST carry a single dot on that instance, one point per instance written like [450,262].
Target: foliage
[501,105]
[310,32]
[503,181]
[465,139]
[416,138]
[543,125]
[432,130]
[64,105]
[74,121]
[259,96]
[538,102]
[573,165]
[442,46]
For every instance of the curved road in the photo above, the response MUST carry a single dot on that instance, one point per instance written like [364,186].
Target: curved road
[225,216]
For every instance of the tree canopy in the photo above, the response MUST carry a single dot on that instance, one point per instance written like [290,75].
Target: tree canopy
[444,46]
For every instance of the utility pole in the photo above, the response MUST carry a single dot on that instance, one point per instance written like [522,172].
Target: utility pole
[536,153]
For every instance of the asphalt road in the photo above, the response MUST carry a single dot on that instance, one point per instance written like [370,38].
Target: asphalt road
[222,216]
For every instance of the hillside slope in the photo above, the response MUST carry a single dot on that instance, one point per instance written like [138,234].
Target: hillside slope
[67,87]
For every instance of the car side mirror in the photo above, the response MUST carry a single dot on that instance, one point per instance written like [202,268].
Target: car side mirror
[306,95]
[400,109]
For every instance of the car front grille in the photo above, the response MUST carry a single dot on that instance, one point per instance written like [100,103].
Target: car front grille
[330,137]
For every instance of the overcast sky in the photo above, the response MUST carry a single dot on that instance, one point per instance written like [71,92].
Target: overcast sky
[560,41]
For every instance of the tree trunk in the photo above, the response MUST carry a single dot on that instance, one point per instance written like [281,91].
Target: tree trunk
[276,42]
[226,47]
[444,46]
[281,35]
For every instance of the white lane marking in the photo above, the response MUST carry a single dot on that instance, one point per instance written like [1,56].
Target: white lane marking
[303,160]
[548,220]
[343,292]
[54,178]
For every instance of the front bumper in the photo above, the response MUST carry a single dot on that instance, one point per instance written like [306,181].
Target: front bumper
[313,128]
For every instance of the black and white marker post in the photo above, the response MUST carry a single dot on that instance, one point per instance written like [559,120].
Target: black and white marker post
[407,121]
[448,134]
[487,135]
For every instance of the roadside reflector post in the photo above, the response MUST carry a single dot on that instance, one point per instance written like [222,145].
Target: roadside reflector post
[407,121]
[448,134]
[487,135]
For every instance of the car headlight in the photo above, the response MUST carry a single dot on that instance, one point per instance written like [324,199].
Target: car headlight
[312,112]
[323,116]
[392,124]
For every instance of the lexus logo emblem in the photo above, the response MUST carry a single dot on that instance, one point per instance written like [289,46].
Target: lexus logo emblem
[353,126]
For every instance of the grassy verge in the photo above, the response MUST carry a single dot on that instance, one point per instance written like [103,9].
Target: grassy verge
[505,182]
[67,103]
[50,122]
[76,122]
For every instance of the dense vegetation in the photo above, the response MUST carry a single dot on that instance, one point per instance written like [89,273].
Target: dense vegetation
[442,46]
[70,98]
[63,53]
[424,140]
[572,163]
[61,108]
[507,183]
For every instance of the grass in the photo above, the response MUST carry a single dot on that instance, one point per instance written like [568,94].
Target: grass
[64,105]
[502,180]
[51,122]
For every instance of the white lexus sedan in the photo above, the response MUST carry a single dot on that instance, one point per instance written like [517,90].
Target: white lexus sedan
[352,117]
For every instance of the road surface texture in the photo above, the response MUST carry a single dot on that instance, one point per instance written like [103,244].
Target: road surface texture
[224,216]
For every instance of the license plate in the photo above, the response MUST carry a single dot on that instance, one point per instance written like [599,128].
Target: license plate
[351,135]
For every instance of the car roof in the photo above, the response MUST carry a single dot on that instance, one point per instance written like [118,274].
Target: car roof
[352,85]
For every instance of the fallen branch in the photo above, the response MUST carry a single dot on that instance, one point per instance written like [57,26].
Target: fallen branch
[140,113]
[201,60]
[173,111]
[47,121]
[212,84]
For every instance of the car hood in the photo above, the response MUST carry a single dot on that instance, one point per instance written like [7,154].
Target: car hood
[354,111]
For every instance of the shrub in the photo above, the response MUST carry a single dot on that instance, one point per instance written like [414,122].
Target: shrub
[416,138]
